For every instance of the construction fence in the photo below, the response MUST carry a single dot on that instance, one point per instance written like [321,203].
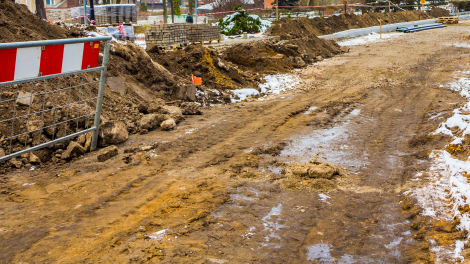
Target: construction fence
[50,91]
[169,34]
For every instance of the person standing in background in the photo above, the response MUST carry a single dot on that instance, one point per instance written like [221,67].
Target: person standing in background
[189,19]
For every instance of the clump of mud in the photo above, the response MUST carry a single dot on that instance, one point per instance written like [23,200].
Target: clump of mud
[299,28]
[315,175]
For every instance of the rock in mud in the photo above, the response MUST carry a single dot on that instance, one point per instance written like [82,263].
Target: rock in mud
[155,106]
[87,144]
[149,122]
[107,153]
[173,112]
[190,108]
[299,61]
[143,108]
[25,99]
[168,124]
[73,150]
[112,133]
[34,159]
[117,84]
[14,163]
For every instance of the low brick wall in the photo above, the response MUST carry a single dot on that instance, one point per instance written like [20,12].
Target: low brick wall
[58,14]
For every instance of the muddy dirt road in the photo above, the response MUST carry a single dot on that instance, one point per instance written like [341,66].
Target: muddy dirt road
[217,189]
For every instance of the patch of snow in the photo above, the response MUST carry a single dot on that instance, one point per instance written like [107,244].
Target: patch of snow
[28,184]
[244,93]
[275,84]
[270,222]
[159,235]
[355,112]
[321,253]
[310,109]
[394,243]
[448,186]
[461,45]
[371,38]
[324,197]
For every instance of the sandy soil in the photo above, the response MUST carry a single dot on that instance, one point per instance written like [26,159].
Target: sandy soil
[201,194]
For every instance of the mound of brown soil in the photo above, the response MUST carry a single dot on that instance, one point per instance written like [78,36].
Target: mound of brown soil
[272,56]
[133,64]
[203,62]
[299,28]
[18,24]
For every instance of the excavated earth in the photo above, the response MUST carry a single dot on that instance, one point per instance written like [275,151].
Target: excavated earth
[314,176]
[298,28]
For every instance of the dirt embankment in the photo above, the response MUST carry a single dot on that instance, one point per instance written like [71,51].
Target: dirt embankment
[273,56]
[206,63]
[299,28]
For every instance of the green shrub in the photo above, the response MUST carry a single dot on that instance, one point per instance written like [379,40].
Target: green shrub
[143,7]
[239,22]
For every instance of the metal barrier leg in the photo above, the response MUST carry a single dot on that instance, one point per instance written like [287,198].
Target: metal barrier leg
[99,101]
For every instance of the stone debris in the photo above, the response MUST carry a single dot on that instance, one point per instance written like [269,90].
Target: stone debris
[168,124]
[107,153]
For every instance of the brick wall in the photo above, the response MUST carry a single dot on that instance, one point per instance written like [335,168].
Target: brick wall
[58,14]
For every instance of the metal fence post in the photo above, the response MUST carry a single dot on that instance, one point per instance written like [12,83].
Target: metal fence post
[99,101]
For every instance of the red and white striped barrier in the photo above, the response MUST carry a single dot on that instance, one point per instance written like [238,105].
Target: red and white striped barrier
[32,62]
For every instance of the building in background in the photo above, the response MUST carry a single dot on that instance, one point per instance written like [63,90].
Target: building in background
[31,4]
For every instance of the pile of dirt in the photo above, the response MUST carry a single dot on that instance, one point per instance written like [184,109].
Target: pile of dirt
[273,56]
[299,28]
[18,24]
[203,62]
[146,79]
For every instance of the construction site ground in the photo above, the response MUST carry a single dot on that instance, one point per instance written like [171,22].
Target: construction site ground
[215,189]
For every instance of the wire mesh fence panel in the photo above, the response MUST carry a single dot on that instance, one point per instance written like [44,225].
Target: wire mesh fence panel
[42,106]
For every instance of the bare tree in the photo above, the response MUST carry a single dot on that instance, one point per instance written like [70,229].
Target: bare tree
[40,9]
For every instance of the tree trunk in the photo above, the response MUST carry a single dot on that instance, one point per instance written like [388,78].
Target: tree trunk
[165,13]
[190,7]
[40,9]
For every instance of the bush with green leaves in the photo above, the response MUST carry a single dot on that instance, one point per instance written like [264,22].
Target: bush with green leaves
[143,7]
[239,22]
